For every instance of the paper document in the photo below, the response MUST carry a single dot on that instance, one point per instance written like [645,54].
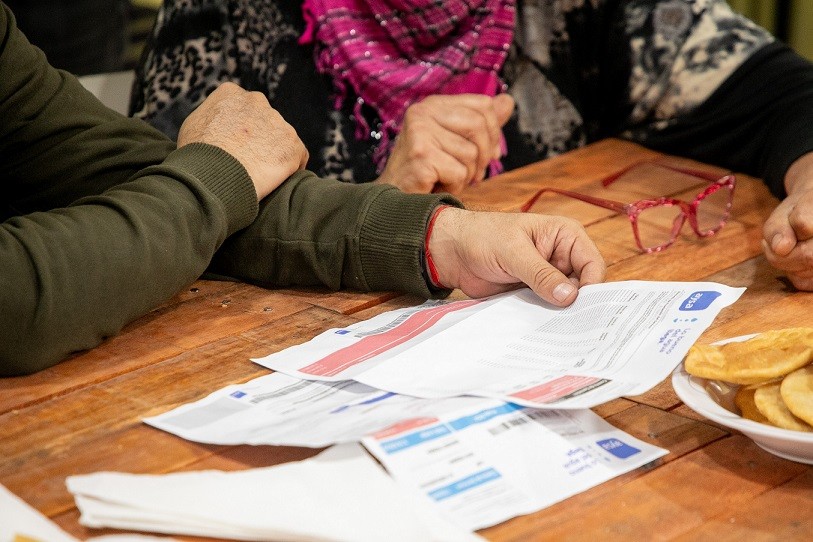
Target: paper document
[482,468]
[479,460]
[341,494]
[617,338]
[278,409]
[19,520]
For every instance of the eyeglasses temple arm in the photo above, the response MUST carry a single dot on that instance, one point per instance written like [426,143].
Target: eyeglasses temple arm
[711,177]
[616,206]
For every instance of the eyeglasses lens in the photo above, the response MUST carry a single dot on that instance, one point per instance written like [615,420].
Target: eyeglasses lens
[658,225]
[712,211]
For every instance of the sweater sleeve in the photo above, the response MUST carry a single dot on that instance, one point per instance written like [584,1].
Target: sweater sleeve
[758,121]
[313,231]
[102,221]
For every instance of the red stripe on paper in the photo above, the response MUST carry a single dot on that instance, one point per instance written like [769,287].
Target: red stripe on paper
[372,345]
[555,389]
[403,426]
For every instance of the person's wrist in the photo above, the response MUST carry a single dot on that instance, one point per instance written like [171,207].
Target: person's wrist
[440,248]
[429,262]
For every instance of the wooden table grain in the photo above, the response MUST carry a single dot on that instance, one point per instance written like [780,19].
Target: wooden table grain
[84,415]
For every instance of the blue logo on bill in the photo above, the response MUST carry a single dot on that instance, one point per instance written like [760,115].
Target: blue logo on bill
[238,394]
[699,300]
[342,331]
[618,448]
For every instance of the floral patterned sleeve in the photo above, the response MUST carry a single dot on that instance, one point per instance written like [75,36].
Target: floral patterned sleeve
[710,84]
[582,70]
[195,46]
[680,53]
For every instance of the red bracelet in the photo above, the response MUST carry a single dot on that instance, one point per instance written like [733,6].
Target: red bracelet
[430,264]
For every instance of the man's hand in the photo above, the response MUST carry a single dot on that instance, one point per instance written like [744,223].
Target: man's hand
[488,253]
[788,232]
[243,124]
[446,142]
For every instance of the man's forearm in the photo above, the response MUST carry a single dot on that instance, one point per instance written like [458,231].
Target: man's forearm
[320,232]
[73,276]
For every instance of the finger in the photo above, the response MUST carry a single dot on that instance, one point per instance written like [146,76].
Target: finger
[798,260]
[571,249]
[800,218]
[778,232]
[481,129]
[783,263]
[467,105]
[472,117]
[452,175]
[528,265]
[494,132]
[463,151]
[586,261]
[592,272]
[431,170]
[503,107]
[802,281]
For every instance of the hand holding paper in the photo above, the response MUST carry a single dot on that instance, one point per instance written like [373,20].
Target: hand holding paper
[488,253]
[616,339]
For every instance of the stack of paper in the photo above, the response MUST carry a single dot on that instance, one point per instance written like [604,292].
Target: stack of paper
[616,339]
[479,461]
[478,409]
[341,494]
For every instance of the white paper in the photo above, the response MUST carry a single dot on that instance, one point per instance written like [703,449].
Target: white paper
[341,494]
[525,458]
[18,518]
[618,338]
[277,409]
[482,468]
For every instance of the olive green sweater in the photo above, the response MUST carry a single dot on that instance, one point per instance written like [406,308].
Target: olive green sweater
[103,219]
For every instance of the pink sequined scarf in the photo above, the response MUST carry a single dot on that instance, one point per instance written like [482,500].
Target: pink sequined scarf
[393,53]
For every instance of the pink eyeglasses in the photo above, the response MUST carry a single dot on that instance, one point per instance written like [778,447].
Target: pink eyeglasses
[656,223]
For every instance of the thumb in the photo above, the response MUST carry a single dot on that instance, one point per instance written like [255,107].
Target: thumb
[778,233]
[503,107]
[544,279]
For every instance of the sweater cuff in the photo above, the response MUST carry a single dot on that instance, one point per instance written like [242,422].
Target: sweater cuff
[392,241]
[224,176]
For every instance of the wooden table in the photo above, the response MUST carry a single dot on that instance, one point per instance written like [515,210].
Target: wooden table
[84,414]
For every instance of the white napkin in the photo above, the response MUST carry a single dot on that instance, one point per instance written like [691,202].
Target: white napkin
[18,518]
[341,494]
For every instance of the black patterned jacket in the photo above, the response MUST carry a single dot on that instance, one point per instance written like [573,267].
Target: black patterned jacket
[688,77]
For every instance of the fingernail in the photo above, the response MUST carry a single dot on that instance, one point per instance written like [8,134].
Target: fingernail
[563,291]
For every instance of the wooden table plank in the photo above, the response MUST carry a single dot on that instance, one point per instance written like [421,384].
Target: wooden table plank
[784,512]
[161,334]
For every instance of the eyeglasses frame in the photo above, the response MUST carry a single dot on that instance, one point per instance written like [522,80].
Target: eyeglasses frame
[633,210]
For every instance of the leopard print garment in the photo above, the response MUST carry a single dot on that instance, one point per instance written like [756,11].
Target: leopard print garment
[579,70]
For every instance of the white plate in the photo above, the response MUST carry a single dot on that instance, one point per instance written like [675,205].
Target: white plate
[715,400]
